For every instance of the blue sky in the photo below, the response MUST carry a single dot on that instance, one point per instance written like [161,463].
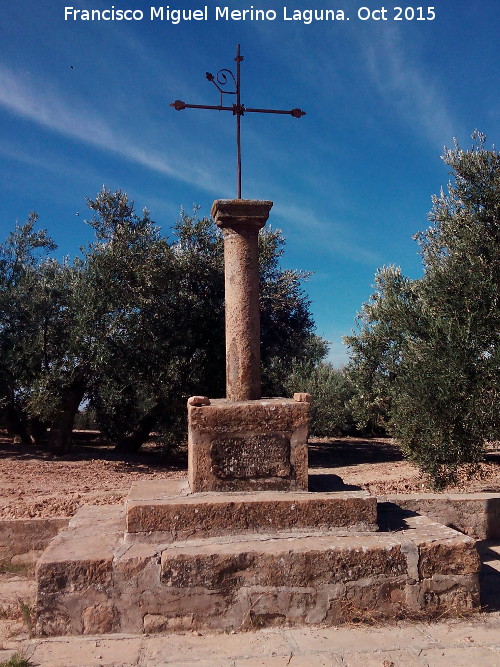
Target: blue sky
[86,103]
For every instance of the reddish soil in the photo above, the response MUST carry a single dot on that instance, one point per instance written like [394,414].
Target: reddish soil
[35,484]
[378,466]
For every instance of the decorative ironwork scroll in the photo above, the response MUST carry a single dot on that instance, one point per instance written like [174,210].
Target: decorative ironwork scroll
[225,77]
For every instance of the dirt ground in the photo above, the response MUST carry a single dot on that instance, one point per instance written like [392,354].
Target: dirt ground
[378,466]
[35,484]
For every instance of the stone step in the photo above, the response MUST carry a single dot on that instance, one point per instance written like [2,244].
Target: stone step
[166,506]
[92,579]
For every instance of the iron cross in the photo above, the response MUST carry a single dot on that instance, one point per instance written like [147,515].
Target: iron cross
[222,78]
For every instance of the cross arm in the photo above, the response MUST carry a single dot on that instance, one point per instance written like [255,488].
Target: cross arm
[296,113]
[238,110]
[179,105]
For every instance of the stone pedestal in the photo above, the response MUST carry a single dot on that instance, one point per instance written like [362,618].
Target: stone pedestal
[248,445]
[240,221]
[243,442]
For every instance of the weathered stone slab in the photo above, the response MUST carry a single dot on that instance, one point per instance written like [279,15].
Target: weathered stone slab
[75,572]
[156,507]
[441,549]
[212,650]
[21,537]
[303,561]
[475,514]
[248,445]
[443,564]
[289,580]
[87,652]
[359,638]
[460,656]
[324,579]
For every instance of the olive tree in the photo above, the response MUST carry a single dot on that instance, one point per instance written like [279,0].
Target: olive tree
[41,380]
[427,350]
[134,326]
[160,330]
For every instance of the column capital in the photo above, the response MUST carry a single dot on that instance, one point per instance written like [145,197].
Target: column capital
[249,212]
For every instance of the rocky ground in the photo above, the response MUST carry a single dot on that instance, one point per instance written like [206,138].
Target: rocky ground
[35,484]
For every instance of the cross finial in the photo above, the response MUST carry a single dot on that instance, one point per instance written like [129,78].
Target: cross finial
[220,80]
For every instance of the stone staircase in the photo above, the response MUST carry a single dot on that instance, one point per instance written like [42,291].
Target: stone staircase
[174,560]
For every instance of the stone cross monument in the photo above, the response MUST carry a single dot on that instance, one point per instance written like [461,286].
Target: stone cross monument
[241,544]
[244,442]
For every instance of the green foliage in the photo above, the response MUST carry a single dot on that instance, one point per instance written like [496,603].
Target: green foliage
[427,350]
[170,341]
[30,311]
[85,419]
[376,349]
[140,347]
[331,393]
[135,327]
[287,326]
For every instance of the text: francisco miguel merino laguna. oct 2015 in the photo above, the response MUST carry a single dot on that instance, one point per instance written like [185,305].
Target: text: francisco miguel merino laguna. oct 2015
[223,13]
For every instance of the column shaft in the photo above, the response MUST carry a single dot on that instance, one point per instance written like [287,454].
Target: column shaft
[240,221]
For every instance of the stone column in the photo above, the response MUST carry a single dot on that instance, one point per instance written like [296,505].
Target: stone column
[240,221]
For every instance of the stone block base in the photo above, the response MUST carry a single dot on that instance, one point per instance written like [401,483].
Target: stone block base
[167,507]
[92,579]
[248,445]
[22,539]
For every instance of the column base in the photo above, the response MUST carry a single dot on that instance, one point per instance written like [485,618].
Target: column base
[248,445]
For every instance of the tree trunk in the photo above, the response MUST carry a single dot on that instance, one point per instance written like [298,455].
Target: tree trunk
[17,424]
[132,442]
[38,431]
[60,437]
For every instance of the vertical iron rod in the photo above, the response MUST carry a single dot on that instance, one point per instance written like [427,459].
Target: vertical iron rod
[238,118]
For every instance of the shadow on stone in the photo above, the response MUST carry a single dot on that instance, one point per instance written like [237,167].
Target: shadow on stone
[324,482]
[392,518]
[489,552]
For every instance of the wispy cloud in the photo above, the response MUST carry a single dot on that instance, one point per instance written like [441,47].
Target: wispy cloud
[326,234]
[77,120]
[53,166]
[406,85]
